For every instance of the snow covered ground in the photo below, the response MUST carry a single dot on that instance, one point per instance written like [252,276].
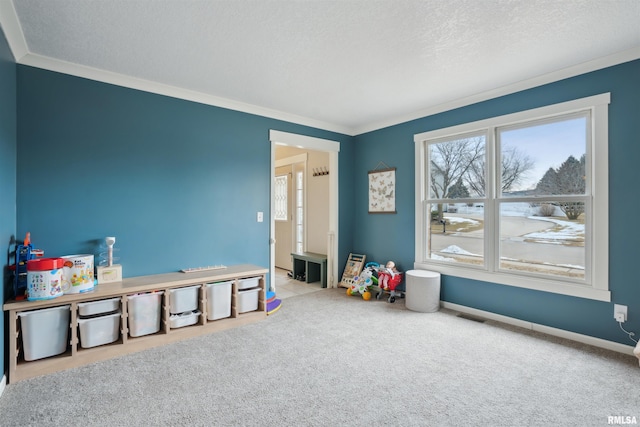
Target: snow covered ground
[563,231]
[520,227]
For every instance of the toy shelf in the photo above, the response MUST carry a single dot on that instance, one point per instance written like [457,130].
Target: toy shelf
[75,355]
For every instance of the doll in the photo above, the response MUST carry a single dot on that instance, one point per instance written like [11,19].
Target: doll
[387,275]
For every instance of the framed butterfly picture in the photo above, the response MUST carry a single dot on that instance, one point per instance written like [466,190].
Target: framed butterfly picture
[382,191]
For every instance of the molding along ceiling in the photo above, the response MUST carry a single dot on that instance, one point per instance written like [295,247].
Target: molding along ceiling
[349,66]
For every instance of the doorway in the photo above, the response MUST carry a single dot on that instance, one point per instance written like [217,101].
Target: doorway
[289,208]
[327,240]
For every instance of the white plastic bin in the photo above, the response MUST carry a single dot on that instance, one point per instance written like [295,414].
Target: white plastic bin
[184,319]
[44,332]
[99,330]
[144,313]
[98,307]
[219,300]
[423,291]
[250,282]
[247,300]
[183,299]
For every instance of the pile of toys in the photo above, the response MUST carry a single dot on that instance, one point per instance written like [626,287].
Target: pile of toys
[386,277]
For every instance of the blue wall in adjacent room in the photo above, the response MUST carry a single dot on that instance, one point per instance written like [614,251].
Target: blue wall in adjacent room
[384,237]
[177,183]
[7,170]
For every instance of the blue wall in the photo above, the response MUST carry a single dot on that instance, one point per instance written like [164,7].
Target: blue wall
[178,183]
[7,169]
[384,237]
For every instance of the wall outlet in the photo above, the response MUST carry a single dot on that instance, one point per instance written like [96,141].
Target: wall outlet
[620,312]
[260,217]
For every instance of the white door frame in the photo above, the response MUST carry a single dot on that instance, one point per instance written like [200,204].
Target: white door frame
[310,143]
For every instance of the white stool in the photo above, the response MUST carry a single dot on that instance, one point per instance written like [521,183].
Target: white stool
[422,291]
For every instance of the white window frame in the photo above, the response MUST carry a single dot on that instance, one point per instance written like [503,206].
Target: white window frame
[596,229]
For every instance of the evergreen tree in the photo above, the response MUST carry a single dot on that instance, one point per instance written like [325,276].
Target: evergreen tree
[568,179]
[458,190]
[549,183]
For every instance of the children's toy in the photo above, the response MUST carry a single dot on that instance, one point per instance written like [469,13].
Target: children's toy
[362,284]
[24,253]
[106,270]
[273,303]
[389,278]
[354,266]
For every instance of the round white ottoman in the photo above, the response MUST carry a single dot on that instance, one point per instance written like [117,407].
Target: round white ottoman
[422,291]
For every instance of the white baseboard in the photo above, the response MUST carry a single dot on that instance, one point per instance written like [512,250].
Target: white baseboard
[3,383]
[585,339]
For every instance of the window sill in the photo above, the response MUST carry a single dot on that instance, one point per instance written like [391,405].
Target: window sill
[574,290]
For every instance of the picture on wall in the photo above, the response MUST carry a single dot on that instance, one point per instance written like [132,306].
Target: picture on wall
[382,187]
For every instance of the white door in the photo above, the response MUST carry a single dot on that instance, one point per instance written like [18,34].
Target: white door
[283,216]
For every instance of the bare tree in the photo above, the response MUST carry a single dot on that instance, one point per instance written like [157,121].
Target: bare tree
[514,165]
[451,161]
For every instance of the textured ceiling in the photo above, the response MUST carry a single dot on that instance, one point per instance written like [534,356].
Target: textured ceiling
[346,65]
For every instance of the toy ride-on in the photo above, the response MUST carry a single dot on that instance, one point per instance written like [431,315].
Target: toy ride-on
[389,279]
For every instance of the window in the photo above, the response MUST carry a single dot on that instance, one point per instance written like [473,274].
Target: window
[519,200]
[281,210]
[300,211]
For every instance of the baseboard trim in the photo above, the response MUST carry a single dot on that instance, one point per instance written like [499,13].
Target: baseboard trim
[3,383]
[561,333]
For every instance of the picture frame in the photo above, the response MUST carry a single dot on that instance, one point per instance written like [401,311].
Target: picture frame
[382,190]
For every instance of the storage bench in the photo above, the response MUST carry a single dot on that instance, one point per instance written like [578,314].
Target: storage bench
[313,266]
[96,348]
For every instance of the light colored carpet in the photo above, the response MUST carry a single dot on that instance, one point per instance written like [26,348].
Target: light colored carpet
[326,359]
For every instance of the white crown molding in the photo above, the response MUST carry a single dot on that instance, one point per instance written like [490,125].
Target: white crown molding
[13,30]
[15,37]
[39,61]
[586,67]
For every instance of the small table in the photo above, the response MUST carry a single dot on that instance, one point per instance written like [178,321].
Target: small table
[314,266]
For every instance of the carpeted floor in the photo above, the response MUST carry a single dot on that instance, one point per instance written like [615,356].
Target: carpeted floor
[326,359]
